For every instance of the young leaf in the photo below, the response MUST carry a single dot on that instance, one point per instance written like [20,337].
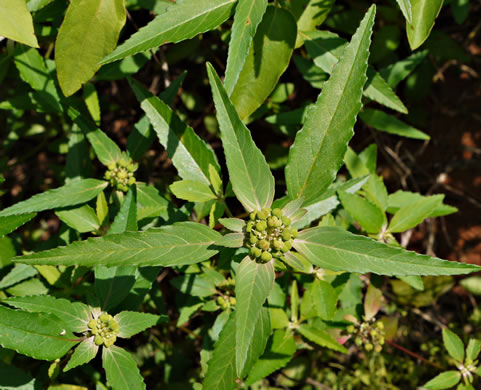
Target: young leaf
[253,284]
[248,15]
[251,178]
[75,315]
[231,240]
[71,194]
[473,349]
[338,250]
[192,191]
[179,22]
[126,219]
[320,337]
[84,353]
[234,224]
[38,335]
[16,22]
[13,222]
[88,33]
[179,244]
[132,322]
[221,372]
[402,199]
[189,154]
[83,218]
[319,148]
[319,300]
[424,13]
[390,124]
[445,380]
[121,369]
[267,60]
[372,302]
[413,214]
[397,72]
[280,349]
[326,48]
[369,216]
[405,6]
[453,345]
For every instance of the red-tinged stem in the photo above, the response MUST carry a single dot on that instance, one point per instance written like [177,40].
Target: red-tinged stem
[413,354]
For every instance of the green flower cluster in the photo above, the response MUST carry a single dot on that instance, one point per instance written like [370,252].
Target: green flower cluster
[105,329]
[121,174]
[225,302]
[367,334]
[269,234]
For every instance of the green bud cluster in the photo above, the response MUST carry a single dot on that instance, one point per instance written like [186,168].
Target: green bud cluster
[369,335]
[226,302]
[104,329]
[121,174]
[269,234]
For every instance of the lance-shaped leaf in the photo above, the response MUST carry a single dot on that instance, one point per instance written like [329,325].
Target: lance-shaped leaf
[397,72]
[254,282]
[121,369]
[268,58]
[262,332]
[248,15]
[84,353]
[368,215]
[83,218]
[413,214]
[132,322]
[326,48]
[193,191]
[445,380]
[179,244]
[454,345]
[88,33]
[16,22]
[38,335]
[279,351]
[424,13]
[13,222]
[71,194]
[221,372]
[406,9]
[75,315]
[320,337]
[180,21]
[190,155]
[338,250]
[319,148]
[126,218]
[251,178]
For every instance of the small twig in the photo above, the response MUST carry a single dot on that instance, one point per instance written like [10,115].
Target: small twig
[428,318]
[317,384]
[413,354]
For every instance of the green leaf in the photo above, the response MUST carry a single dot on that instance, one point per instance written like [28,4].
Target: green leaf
[280,349]
[32,69]
[251,178]
[78,164]
[338,250]
[404,198]
[132,322]
[13,222]
[473,349]
[179,244]
[121,369]
[16,22]
[368,215]
[390,124]
[12,378]
[406,9]
[413,214]
[71,194]
[248,15]
[326,48]
[150,203]
[75,315]
[268,58]
[319,300]
[28,287]
[424,13]
[181,21]
[320,337]
[234,224]
[261,336]
[113,284]
[88,33]
[83,218]
[319,147]
[254,282]
[190,155]
[221,372]
[192,191]
[126,218]
[397,72]
[84,353]
[231,240]
[453,345]
[309,14]
[445,380]
[472,284]
[38,335]
[197,285]
[18,273]
[372,302]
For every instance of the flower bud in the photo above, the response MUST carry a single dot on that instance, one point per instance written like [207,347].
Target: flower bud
[266,256]
[277,213]
[261,226]
[256,252]
[99,340]
[263,244]
[286,221]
